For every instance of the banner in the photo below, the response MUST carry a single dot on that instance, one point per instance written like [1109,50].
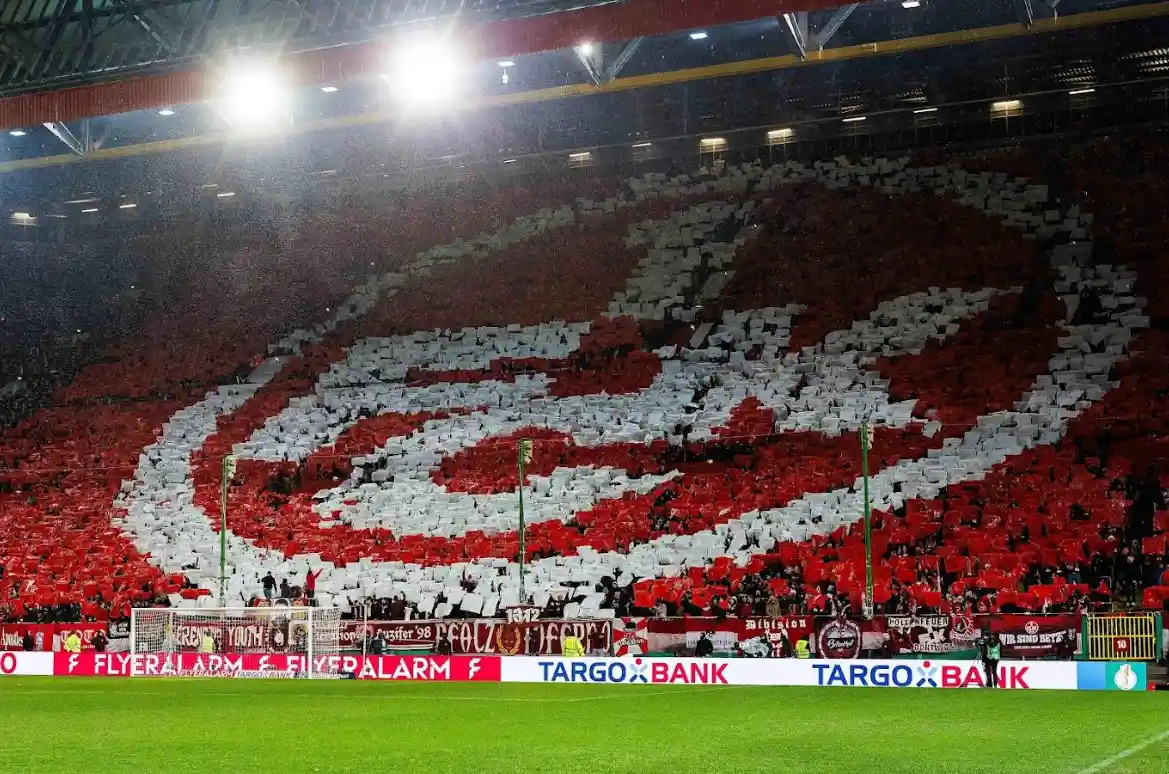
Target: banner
[1112,676]
[1030,637]
[917,675]
[397,635]
[47,637]
[480,636]
[679,636]
[631,637]
[12,636]
[119,635]
[17,663]
[956,636]
[902,635]
[277,665]
[276,634]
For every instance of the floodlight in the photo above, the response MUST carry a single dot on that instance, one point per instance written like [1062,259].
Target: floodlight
[17,133]
[255,95]
[427,72]
[911,4]
[698,36]
[585,49]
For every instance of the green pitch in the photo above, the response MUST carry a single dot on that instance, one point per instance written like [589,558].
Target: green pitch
[288,727]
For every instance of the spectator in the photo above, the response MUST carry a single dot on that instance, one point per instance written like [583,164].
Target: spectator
[269,586]
[310,583]
[772,610]
[100,642]
[784,648]
[285,589]
[443,648]
[27,642]
[377,645]
[704,648]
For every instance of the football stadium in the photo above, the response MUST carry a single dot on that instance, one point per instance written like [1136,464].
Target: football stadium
[584,385]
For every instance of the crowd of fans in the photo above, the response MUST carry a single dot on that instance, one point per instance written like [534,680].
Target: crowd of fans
[779,588]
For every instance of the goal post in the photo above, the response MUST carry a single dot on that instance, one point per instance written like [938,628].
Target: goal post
[282,641]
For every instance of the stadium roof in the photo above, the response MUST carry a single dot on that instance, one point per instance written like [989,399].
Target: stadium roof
[900,68]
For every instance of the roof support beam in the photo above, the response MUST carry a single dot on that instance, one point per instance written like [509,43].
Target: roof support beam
[1026,13]
[589,55]
[63,134]
[797,26]
[152,23]
[622,59]
[18,49]
[834,23]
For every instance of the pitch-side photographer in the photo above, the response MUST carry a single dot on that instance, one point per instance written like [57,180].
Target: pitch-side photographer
[989,651]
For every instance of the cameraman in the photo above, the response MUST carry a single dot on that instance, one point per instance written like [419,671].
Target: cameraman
[989,651]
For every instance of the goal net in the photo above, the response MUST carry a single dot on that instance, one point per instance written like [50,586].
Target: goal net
[237,642]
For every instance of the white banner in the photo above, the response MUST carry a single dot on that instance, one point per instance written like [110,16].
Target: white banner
[1017,675]
[21,663]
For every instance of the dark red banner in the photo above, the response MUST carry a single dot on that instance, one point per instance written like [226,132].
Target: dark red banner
[1022,636]
[1027,636]
[679,636]
[480,636]
[47,637]
[261,665]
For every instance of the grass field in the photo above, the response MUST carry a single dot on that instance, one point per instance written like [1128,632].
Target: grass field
[288,727]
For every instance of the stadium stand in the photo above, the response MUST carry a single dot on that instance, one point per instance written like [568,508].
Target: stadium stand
[692,357]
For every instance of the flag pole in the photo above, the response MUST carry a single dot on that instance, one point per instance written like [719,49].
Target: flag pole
[228,472]
[866,444]
[523,455]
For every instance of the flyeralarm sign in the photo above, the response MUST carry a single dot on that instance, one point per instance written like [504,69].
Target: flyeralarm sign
[403,668]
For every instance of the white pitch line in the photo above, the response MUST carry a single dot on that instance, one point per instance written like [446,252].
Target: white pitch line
[1136,748]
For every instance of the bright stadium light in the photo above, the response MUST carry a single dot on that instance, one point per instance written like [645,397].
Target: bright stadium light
[255,95]
[699,36]
[166,112]
[506,63]
[911,4]
[585,49]
[17,133]
[427,72]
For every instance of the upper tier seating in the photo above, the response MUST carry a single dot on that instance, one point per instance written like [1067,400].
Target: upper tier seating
[693,362]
